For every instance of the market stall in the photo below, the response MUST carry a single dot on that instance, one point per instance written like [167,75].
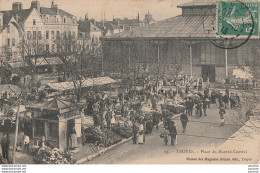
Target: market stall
[55,120]
[9,91]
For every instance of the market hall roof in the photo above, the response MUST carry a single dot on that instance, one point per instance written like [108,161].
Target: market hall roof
[188,25]
[177,27]
[196,3]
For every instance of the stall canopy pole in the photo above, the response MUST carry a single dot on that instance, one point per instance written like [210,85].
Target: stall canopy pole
[16,132]
[158,56]
[191,63]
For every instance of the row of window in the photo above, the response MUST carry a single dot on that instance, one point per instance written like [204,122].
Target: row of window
[9,29]
[52,48]
[34,35]
[56,19]
[38,34]
[11,42]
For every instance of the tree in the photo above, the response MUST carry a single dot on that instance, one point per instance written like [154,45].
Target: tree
[6,75]
[79,60]
[180,53]
[68,49]
[31,50]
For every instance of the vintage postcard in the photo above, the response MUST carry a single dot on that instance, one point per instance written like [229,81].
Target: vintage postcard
[130,82]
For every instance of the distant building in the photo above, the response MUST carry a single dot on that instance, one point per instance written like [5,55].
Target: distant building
[10,34]
[127,24]
[108,28]
[88,33]
[118,25]
[148,19]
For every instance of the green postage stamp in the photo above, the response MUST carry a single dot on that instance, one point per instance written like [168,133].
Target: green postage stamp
[237,19]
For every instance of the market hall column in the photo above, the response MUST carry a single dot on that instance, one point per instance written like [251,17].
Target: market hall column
[226,57]
[191,63]
[189,43]
[158,55]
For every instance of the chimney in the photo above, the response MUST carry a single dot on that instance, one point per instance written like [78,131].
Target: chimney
[1,20]
[16,17]
[17,6]
[36,5]
[86,16]
[54,6]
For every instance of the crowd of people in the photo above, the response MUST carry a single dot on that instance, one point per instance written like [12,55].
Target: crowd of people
[129,105]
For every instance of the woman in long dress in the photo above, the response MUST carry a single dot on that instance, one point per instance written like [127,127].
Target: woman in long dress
[141,134]
[113,120]
[73,137]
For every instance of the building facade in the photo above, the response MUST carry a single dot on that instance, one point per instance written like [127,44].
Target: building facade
[35,27]
[10,33]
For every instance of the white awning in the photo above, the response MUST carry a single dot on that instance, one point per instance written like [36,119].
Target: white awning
[63,86]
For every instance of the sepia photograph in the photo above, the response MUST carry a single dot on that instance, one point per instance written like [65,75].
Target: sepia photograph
[129,82]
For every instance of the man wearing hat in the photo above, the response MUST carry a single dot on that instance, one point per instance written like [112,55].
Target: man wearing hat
[232,101]
[184,121]
[173,132]
[5,143]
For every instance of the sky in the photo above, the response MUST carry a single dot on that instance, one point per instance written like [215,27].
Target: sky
[160,9]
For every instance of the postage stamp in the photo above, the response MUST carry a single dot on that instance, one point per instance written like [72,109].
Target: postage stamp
[237,19]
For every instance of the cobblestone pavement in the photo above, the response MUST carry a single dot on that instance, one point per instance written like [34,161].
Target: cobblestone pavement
[203,133]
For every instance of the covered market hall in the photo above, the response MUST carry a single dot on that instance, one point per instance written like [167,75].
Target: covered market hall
[157,48]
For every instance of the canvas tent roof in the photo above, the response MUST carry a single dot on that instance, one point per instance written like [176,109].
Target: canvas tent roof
[41,61]
[9,88]
[17,64]
[63,86]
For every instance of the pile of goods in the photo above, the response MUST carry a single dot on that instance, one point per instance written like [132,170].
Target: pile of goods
[136,106]
[11,124]
[46,155]
[123,131]
[174,108]
[105,137]
[111,138]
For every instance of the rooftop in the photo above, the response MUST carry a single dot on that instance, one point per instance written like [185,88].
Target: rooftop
[21,14]
[176,27]
[87,26]
[53,11]
[207,3]
[198,3]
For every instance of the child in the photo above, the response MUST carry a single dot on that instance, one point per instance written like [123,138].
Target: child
[222,112]
[26,142]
